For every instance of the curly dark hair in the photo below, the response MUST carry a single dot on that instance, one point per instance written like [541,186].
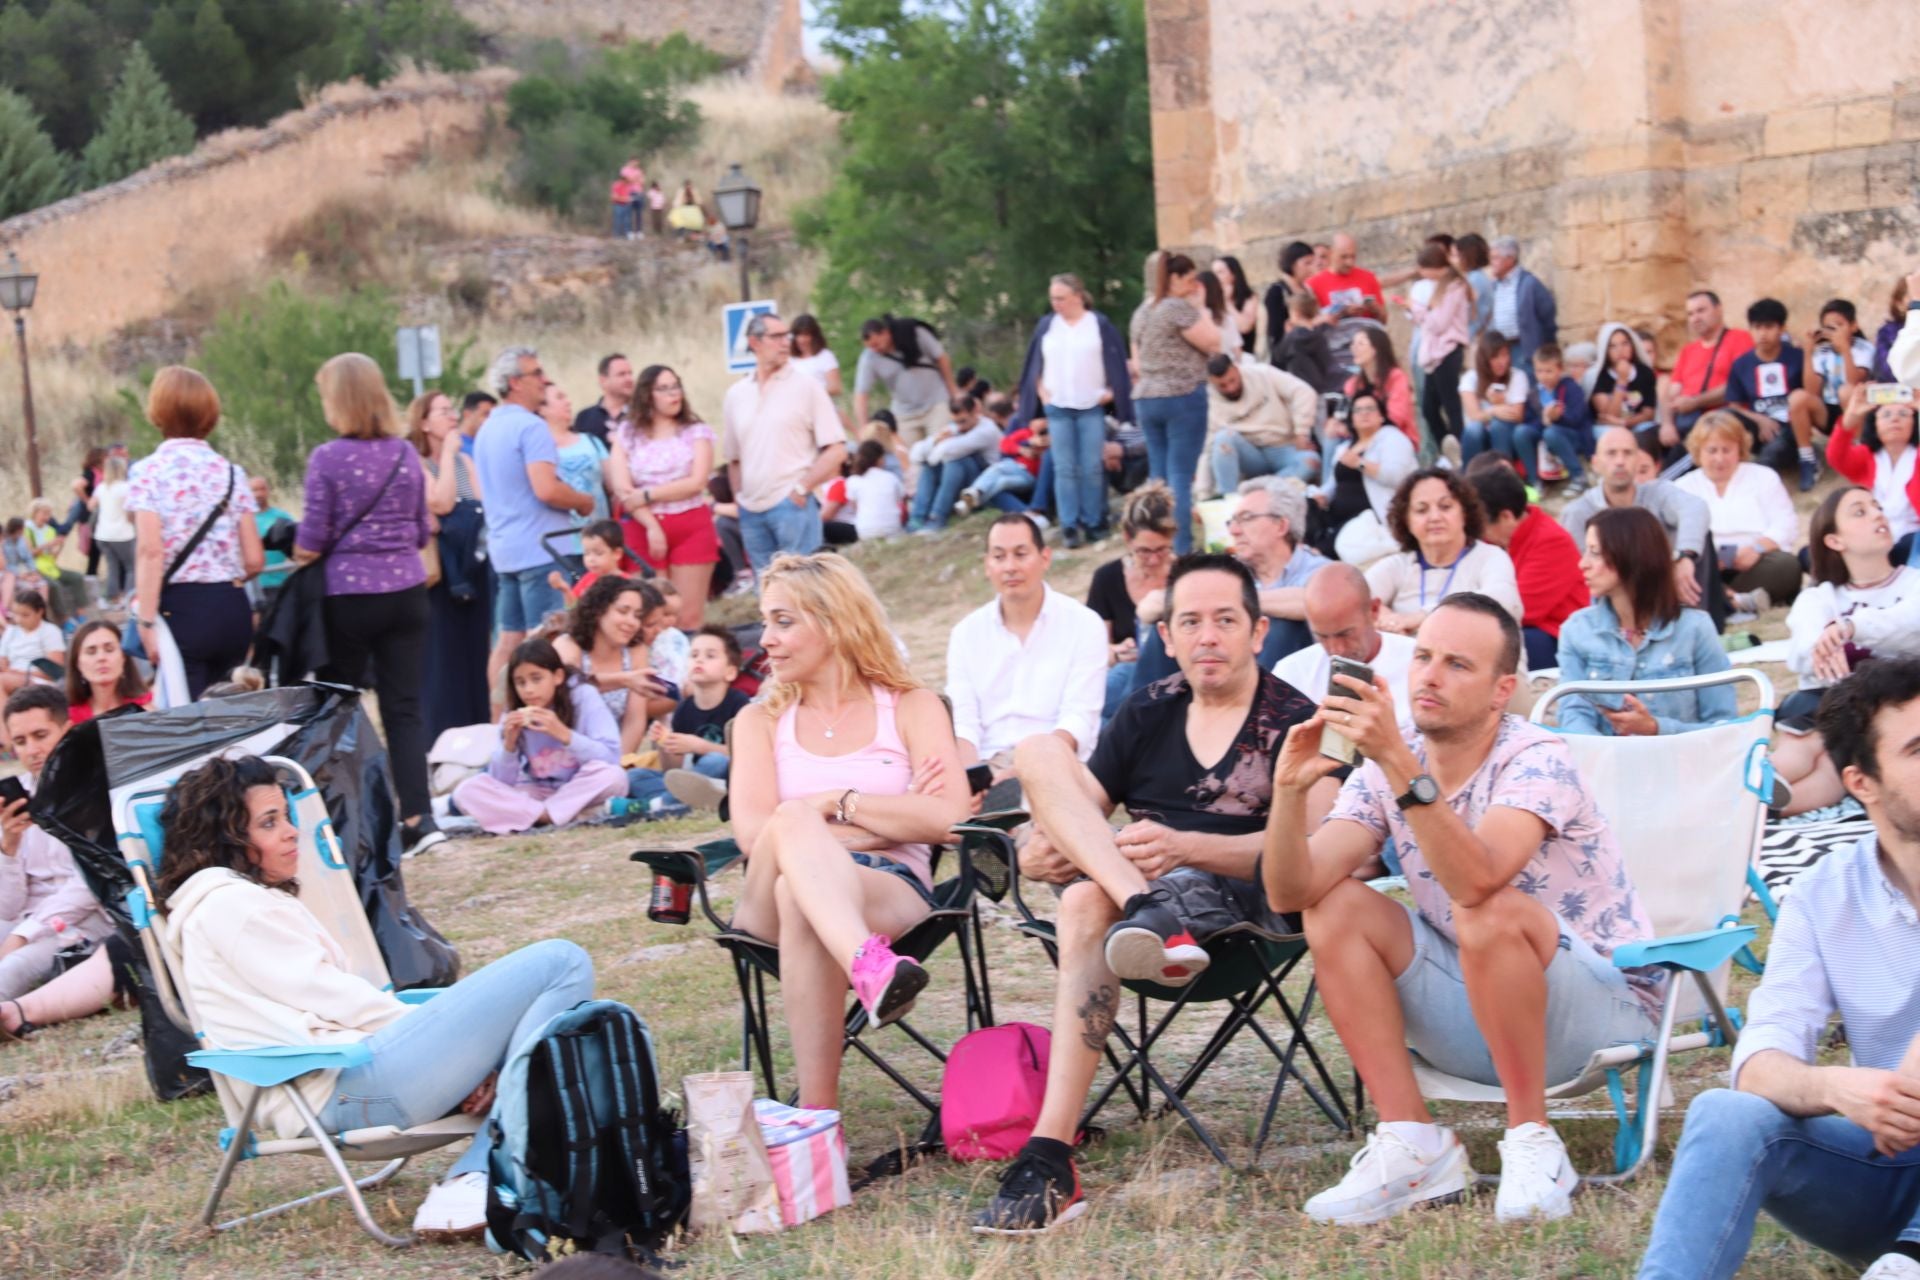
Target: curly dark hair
[1463,493]
[205,823]
[584,625]
[643,399]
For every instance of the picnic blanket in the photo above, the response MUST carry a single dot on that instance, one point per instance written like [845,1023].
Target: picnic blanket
[1791,845]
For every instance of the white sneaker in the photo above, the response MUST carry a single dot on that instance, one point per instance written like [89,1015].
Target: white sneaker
[455,1209]
[1892,1266]
[1390,1176]
[1536,1178]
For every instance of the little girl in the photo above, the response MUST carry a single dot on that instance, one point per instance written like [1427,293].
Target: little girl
[668,650]
[559,750]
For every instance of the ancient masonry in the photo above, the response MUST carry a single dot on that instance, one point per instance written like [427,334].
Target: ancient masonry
[1636,147]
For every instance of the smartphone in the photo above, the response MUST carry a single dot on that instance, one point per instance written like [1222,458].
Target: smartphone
[1879,393]
[50,670]
[1335,745]
[979,777]
[1729,552]
[11,789]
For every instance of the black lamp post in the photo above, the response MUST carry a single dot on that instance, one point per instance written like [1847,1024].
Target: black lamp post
[17,286]
[739,200]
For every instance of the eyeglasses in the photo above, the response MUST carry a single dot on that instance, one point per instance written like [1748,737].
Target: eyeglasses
[1245,518]
[1151,553]
[783,336]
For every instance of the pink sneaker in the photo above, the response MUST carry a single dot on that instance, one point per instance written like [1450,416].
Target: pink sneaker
[886,984]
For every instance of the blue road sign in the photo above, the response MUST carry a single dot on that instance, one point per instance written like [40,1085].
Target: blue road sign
[734,325]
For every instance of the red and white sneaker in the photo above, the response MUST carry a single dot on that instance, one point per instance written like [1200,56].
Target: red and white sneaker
[1149,943]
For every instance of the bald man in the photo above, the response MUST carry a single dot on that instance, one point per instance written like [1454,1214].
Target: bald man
[1341,615]
[1347,290]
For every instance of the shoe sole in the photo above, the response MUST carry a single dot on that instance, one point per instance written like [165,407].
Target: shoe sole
[1060,1219]
[449,1235]
[1141,955]
[1451,1188]
[1542,1213]
[902,990]
[706,793]
[424,843]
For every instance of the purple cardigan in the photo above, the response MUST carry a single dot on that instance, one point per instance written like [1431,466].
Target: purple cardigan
[382,552]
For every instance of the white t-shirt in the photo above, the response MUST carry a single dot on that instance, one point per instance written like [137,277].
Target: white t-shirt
[1070,363]
[876,495]
[1823,602]
[1309,670]
[22,648]
[1518,385]
[1890,481]
[1420,293]
[111,523]
[1833,370]
[818,365]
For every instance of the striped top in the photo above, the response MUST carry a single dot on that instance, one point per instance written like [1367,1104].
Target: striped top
[1847,941]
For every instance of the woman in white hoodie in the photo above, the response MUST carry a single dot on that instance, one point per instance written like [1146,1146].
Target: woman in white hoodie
[260,970]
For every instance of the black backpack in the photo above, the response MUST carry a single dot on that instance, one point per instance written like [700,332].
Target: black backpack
[906,340]
[585,1158]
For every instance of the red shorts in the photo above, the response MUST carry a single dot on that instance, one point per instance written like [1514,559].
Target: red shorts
[690,538]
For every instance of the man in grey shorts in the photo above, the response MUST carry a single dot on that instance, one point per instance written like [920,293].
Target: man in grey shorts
[1498,972]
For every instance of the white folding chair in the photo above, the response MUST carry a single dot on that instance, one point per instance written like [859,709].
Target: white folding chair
[1689,811]
[243,1078]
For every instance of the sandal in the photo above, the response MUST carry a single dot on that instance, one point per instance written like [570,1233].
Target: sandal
[24,1030]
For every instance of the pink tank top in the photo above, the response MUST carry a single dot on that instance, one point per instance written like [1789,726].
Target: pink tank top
[881,768]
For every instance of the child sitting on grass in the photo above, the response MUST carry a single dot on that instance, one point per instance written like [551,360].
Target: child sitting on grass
[668,651]
[605,552]
[559,750]
[694,742]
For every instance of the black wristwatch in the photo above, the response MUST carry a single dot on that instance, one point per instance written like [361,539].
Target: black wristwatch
[1421,789]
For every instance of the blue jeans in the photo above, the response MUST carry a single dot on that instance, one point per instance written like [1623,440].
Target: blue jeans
[425,1064]
[523,598]
[648,785]
[1562,442]
[1818,1177]
[1079,475]
[1005,476]
[1176,432]
[1119,686]
[622,220]
[1236,458]
[1494,434]
[940,486]
[782,529]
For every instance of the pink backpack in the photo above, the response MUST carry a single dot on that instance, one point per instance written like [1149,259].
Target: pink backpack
[991,1090]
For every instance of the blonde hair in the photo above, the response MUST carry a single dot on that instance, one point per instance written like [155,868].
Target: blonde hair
[182,404]
[833,595]
[354,398]
[417,413]
[1719,423]
[114,468]
[39,505]
[1148,509]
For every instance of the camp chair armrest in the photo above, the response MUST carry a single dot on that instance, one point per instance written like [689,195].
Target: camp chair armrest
[697,865]
[417,995]
[1003,820]
[1701,952]
[278,1064]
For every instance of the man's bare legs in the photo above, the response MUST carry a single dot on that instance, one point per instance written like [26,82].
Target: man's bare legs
[1060,796]
[1086,998]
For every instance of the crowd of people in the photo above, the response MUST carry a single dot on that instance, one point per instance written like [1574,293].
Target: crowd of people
[556,566]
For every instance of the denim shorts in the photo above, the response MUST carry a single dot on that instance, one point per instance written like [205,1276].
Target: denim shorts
[880,862]
[1589,1007]
[523,599]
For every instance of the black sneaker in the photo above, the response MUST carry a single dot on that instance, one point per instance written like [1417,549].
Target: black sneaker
[1039,1191]
[1071,536]
[1150,944]
[420,837]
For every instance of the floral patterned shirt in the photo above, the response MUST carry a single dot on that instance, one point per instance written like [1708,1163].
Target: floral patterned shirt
[1578,873]
[182,481]
[652,462]
[381,553]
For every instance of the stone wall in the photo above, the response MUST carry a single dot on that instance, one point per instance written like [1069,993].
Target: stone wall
[763,36]
[1636,147]
[134,250]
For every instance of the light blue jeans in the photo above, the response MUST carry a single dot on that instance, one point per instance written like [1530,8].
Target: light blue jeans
[940,486]
[425,1064]
[1079,474]
[782,529]
[1176,432]
[1004,476]
[1819,1177]
[647,785]
[1235,458]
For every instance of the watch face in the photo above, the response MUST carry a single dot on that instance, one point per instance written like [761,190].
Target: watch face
[1426,789]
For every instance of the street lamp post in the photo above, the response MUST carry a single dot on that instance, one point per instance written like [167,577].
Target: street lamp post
[739,201]
[17,286]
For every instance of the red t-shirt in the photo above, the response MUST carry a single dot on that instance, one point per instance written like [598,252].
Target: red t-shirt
[1690,367]
[1345,290]
[81,712]
[629,568]
[1546,564]
[1010,446]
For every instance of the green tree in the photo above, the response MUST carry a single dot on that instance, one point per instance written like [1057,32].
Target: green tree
[32,170]
[201,56]
[989,145]
[141,125]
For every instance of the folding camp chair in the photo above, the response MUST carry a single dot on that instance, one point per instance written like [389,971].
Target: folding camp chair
[982,854]
[1248,968]
[1688,810]
[243,1077]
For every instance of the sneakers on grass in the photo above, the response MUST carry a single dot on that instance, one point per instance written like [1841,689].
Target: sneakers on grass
[455,1209]
[695,789]
[1149,943]
[1391,1175]
[1892,1266]
[885,983]
[1039,1191]
[420,837]
[1536,1178]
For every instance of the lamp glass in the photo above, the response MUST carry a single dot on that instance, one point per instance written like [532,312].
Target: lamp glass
[739,200]
[17,286]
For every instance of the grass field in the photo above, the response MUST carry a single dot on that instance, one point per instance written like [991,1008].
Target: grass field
[98,1180]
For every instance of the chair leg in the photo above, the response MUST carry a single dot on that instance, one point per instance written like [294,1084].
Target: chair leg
[230,1160]
[348,1187]
[986,979]
[1649,1119]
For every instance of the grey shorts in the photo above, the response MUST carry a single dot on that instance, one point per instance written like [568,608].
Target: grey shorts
[1590,1007]
[880,862]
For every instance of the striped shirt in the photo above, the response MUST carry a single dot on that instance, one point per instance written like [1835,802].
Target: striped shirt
[1847,941]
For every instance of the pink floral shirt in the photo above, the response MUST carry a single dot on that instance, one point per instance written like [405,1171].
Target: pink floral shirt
[652,462]
[182,481]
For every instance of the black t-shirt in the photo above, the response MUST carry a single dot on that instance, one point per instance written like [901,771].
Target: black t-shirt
[592,421]
[1642,393]
[688,717]
[1143,762]
[1762,385]
[1107,596]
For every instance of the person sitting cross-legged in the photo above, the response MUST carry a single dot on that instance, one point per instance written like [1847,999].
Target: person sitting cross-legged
[1498,972]
[1831,1153]
[1191,759]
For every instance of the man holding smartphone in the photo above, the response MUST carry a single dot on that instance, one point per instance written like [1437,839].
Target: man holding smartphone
[45,904]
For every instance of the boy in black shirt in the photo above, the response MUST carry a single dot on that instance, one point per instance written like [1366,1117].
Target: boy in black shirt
[1773,386]
[694,754]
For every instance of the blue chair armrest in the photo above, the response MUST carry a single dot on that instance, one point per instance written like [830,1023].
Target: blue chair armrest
[417,995]
[1702,952]
[280,1063]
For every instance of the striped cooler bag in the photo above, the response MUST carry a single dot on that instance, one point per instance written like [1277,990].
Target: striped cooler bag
[809,1157]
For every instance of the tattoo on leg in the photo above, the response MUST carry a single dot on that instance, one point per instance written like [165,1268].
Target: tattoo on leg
[1097,1015]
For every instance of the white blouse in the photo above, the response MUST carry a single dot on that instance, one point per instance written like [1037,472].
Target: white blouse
[1755,506]
[1071,365]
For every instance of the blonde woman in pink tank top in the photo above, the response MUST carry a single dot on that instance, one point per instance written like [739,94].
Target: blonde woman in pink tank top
[845,774]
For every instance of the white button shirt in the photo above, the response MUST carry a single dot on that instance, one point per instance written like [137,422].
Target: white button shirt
[1004,690]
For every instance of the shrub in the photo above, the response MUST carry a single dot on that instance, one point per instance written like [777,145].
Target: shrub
[141,126]
[32,172]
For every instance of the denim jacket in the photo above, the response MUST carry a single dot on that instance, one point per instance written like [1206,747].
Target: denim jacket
[1592,648]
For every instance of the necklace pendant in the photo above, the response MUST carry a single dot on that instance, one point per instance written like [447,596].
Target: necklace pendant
[829,733]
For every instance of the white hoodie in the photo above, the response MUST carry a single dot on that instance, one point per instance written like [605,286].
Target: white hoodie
[260,970]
